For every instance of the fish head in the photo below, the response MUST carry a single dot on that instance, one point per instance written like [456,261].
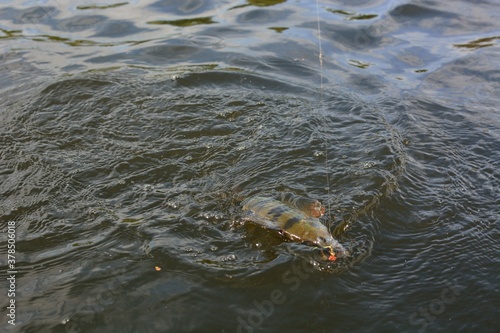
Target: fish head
[331,249]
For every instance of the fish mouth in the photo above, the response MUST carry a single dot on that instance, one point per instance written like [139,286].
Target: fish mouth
[332,254]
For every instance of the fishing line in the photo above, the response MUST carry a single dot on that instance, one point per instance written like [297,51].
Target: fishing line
[320,57]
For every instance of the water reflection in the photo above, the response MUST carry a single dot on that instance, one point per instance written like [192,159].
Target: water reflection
[188,7]
[351,15]
[185,22]
[479,43]
[265,3]
[90,7]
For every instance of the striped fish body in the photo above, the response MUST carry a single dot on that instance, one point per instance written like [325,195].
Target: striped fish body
[297,224]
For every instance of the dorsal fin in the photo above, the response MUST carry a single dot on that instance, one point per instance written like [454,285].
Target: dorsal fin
[310,207]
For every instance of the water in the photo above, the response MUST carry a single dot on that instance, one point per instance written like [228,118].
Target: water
[131,130]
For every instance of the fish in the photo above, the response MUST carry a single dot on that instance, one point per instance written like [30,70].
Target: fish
[297,217]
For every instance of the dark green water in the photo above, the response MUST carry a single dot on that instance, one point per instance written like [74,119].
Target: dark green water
[130,131]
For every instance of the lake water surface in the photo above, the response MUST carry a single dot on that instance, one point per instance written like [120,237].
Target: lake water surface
[131,130]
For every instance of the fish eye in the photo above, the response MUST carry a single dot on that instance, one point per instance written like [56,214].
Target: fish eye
[326,251]
[322,239]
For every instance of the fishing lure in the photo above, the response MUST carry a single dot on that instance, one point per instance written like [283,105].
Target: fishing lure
[297,217]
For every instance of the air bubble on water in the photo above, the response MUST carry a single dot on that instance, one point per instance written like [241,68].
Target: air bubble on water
[211,216]
[318,153]
[213,248]
[368,165]
[65,321]
[172,204]
[148,188]
[230,257]
[314,263]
